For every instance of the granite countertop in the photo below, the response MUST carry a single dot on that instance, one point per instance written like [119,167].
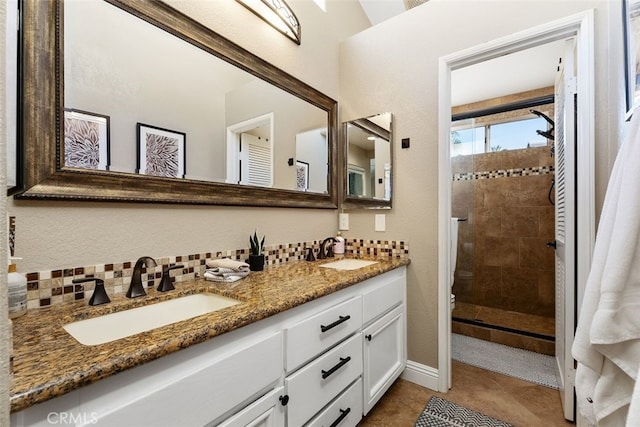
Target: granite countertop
[48,362]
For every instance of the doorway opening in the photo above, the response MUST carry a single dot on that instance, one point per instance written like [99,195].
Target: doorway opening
[580,27]
[502,205]
[250,152]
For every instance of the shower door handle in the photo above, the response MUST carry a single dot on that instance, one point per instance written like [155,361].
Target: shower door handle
[552,245]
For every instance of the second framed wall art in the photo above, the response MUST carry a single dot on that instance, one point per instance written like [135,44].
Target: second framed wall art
[161,152]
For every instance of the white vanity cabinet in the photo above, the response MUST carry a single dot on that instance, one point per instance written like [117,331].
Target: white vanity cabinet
[331,368]
[192,387]
[385,336]
[323,363]
[370,328]
[383,355]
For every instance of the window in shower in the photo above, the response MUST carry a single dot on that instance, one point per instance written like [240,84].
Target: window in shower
[506,130]
[467,141]
[517,134]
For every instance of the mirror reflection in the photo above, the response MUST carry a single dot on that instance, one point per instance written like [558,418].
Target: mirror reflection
[369,157]
[139,100]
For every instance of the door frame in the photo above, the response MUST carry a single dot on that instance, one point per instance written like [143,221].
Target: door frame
[580,26]
[233,142]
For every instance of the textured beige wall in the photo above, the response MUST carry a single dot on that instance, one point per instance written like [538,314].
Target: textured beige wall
[393,67]
[63,234]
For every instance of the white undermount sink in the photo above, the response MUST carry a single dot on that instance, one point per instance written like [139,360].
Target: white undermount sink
[114,326]
[348,264]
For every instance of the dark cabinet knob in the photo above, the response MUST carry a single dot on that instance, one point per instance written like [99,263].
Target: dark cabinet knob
[284,399]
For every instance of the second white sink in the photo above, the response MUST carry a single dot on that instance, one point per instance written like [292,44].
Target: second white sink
[114,326]
[348,264]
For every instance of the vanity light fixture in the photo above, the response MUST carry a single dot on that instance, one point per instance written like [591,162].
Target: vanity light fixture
[276,13]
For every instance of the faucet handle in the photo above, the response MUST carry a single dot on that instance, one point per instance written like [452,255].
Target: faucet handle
[330,250]
[165,283]
[99,295]
[310,256]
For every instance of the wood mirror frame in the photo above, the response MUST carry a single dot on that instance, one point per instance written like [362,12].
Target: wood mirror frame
[351,202]
[45,176]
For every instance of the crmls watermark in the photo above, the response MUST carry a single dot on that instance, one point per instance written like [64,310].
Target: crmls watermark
[70,418]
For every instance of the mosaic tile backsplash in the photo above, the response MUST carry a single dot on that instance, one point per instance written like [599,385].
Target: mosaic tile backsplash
[47,288]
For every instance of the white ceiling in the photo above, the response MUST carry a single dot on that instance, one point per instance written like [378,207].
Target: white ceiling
[529,69]
[381,10]
[533,68]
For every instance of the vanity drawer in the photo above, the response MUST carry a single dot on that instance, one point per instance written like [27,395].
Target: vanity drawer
[386,295]
[315,334]
[345,411]
[319,382]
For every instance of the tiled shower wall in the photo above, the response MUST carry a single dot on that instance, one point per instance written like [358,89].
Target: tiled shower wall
[47,288]
[503,261]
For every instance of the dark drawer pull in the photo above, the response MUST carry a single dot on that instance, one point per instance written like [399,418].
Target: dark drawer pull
[343,361]
[342,416]
[341,319]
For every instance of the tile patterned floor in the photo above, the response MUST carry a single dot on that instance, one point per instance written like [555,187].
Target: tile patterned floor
[509,399]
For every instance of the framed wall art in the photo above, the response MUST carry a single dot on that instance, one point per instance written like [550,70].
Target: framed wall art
[302,176]
[631,21]
[86,139]
[161,152]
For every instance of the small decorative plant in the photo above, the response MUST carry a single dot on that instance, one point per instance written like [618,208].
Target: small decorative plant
[256,257]
[256,245]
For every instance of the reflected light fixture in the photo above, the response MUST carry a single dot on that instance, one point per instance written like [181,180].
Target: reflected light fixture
[276,13]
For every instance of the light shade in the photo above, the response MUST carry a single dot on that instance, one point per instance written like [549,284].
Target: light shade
[276,13]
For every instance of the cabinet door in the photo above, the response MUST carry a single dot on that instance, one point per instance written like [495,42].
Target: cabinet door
[384,355]
[265,412]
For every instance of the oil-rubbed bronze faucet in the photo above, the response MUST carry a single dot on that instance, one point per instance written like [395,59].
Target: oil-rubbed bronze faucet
[135,288]
[328,252]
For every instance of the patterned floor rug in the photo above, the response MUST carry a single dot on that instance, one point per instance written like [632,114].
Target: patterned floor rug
[442,413]
[525,365]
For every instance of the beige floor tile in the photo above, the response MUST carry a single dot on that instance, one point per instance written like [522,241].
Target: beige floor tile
[518,402]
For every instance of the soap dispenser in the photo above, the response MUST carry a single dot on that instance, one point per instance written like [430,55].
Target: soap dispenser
[17,290]
[338,247]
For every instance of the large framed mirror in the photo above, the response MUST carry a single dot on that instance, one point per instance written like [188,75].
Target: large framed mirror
[131,100]
[367,177]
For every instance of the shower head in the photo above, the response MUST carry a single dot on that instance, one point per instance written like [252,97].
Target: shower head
[546,134]
[544,116]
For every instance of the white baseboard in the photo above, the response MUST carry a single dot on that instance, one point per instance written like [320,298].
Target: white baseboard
[420,374]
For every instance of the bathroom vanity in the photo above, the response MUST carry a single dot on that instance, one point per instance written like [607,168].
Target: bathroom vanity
[306,346]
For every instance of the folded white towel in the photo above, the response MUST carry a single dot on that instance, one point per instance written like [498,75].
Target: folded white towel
[228,275]
[225,279]
[227,263]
